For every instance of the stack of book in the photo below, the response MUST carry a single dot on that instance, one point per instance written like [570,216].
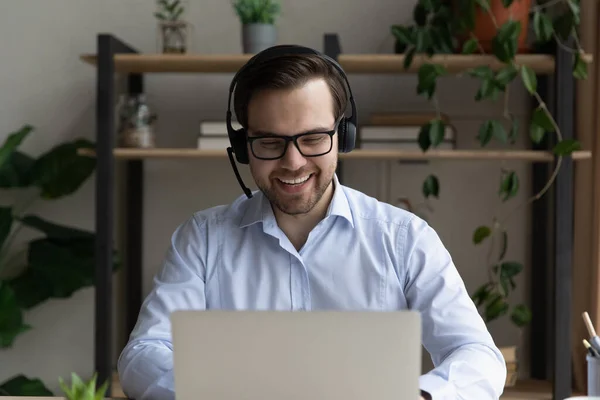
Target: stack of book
[213,135]
[401,131]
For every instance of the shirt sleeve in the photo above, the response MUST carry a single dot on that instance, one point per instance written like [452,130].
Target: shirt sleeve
[467,363]
[145,365]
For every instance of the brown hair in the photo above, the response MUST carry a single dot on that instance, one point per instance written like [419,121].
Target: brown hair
[287,72]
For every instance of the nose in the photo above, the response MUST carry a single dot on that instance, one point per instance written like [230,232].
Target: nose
[293,159]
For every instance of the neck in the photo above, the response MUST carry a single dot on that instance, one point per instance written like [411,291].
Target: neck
[297,227]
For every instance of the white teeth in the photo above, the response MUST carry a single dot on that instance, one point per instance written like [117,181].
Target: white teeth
[295,181]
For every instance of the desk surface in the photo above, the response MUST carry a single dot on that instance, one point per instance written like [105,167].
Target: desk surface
[524,390]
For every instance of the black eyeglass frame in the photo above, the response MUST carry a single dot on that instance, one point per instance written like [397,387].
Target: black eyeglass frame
[293,139]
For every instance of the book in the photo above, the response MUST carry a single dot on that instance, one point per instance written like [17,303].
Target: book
[402,145]
[213,142]
[390,132]
[404,119]
[216,128]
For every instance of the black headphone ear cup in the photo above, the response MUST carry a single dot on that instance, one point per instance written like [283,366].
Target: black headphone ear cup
[350,136]
[238,142]
[342,136]
[347,136]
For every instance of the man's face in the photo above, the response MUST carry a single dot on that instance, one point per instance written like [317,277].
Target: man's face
[288,113]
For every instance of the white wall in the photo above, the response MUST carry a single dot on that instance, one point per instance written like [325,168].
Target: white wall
[44,83]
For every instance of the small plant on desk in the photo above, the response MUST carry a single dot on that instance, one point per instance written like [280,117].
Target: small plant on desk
[81,390]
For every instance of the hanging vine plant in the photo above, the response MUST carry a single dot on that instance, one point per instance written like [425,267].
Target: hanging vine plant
[441,27]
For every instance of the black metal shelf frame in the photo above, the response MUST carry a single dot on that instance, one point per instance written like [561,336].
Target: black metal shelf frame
[552,223]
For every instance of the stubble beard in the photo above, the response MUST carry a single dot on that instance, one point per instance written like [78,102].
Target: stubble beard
[302,203]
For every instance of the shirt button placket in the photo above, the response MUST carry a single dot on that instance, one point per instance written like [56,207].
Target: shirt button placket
[300,287]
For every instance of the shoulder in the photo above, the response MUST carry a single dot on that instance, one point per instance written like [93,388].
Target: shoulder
[367,209]
[405,230]
[218,216]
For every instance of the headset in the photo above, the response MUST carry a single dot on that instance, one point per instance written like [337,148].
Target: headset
[237,138]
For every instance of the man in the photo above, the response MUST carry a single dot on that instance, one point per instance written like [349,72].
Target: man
[306,242]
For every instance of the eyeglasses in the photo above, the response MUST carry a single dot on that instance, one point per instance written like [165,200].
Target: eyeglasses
[311,144]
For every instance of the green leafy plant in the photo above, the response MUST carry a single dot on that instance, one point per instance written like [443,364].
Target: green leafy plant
[444,27]
[169,10]
[60,260]
[257,11]
[80,390]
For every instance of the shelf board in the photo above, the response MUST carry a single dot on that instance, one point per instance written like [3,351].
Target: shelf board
[352,63]
[515,155]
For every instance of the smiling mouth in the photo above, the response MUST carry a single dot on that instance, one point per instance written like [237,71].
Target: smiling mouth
[297,181]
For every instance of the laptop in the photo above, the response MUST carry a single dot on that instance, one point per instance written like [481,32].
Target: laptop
[296,355]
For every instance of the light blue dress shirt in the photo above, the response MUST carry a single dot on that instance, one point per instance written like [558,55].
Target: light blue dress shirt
[364,255]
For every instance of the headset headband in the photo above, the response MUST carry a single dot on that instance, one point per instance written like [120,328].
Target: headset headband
[281,50]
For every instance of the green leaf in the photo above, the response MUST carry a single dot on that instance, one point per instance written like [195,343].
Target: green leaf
[541,118]
[482,72]
[542,26]
[506,75]
[408,57]
[495,308]
[504,44]
[575,11]
[424,137]
[564,147]
[489,129]
[21,385]
[437,132]
[507,3]
[58,264]
[6,221]
[62,170]
[485,133]
[12,142]
[55,231]
[509,186]
[510,269]
[481,233]
[470,46]
[498,131]
[484,4]
[15,172]
[427,76]
[402,34]
[580,67]
[11,317]
[431,186]
[536,133]
[481,294]
[488,90]
[56,268]
[420,14]
[563,25]
[529,79]
[521,315]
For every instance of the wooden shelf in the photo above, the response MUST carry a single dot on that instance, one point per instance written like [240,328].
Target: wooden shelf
[515,155]
[352,63]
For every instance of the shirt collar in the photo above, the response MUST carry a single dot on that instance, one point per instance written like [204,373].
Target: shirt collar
[259,209]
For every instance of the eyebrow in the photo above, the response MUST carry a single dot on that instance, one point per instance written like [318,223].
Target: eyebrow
[313,130]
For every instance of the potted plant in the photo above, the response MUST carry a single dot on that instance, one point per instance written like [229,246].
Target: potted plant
[173,32]
[59,259]
[258,23]
[80,390]
[457,26]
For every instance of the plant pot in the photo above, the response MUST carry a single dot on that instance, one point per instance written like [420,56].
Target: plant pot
[258,37]
[485,30]
[512,371]
[173,37]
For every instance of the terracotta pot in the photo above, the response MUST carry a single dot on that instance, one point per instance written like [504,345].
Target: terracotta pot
[485,29]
